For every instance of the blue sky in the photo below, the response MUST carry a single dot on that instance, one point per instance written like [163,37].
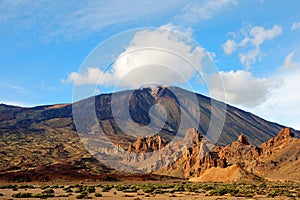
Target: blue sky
[255,45]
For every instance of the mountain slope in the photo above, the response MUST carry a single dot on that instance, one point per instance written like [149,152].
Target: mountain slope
[140,101]
[46,136]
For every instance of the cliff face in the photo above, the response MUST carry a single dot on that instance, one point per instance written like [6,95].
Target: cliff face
[277,159]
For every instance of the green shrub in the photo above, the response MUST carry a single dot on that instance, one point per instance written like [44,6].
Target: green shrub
[178,188]
[243,193]
[220,191]
[22,195]
[43,195]
[98,195]
[81,195]
[148,188]
[79,190]
[107,188]
[262,185]
[273,193]
[8,186]
[192,188]
[69,190]
[122,187]
[90,189]
[43,187]
[26,187]
[54,186]
[47,191]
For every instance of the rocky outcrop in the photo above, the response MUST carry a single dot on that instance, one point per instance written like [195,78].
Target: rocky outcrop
[149,144]
[274,159]
[243,140]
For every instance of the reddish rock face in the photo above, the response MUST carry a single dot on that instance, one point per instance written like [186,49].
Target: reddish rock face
[149,144]
[273,159]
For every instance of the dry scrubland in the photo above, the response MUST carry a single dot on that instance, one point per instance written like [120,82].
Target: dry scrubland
[150,190]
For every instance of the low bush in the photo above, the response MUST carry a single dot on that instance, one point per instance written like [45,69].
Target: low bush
[178,188]
[26,187]
[81,196]
[7,186]
[107,188]
[90,189]
[148,188]
[98,195]
[122,187]
[22,195]
[43,195]
[220,191]
[68,190]
[48,191]
[43,187]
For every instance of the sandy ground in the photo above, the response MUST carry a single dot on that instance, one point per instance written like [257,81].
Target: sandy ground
[114,194]
[132,196]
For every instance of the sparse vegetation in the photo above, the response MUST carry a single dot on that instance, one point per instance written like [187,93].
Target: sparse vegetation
[22,195]
[267,189]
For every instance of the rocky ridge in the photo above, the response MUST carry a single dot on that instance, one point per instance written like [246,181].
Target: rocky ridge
[275,159]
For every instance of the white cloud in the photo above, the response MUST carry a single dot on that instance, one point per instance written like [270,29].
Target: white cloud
[295,26]
[282,105]
[203,10]
[259,34]
[91,76]
[242,88]
[275,98]
[288,64]
[250,57]
[229,47]
[250,44]
[160,56]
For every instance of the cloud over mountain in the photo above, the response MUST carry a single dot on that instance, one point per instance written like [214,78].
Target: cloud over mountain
[162,56]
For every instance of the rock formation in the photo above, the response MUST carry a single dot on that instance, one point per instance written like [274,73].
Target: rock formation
[274,159]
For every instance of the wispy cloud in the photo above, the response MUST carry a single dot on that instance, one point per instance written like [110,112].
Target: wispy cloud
[288,64]
[15,88]
[68,19]
[205,9]
[295,26]
[249,45]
